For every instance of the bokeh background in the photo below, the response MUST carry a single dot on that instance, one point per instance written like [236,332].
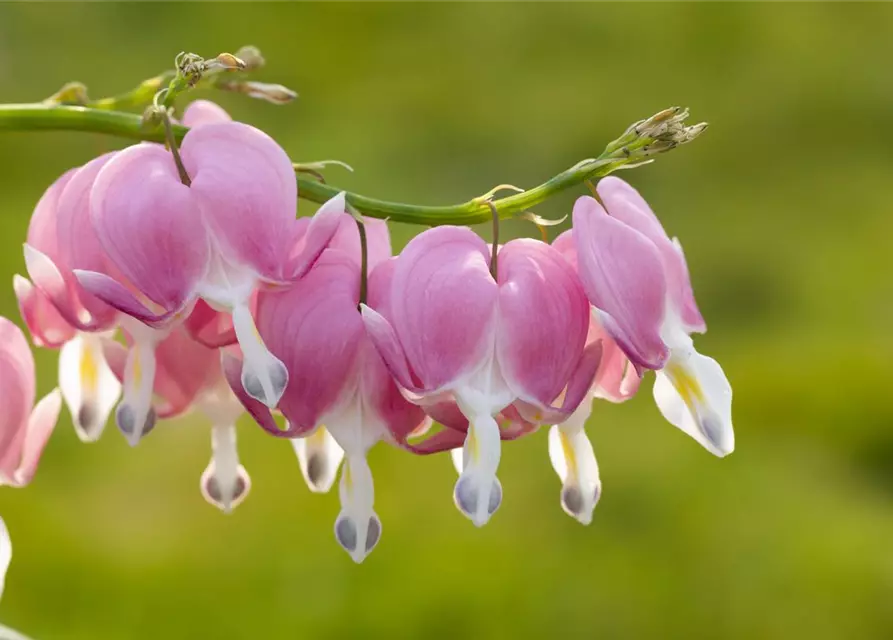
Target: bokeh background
[784,208]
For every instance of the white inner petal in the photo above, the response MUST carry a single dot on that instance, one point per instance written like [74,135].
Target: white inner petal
[89,387]
[319,457]
[693,394]
[135,416]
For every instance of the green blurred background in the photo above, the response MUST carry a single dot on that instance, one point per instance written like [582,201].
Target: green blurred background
[784,211]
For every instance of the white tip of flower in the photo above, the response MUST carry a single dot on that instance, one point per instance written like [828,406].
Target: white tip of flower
[693,394]
[89,387]
[456,456]
[264,377]
[574,461]
[319,457]
[478,493]
[5,554]
[357,528]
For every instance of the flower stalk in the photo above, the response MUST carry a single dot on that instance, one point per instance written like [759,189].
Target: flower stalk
[46,117]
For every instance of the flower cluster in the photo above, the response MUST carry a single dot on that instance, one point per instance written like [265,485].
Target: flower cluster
[227,303]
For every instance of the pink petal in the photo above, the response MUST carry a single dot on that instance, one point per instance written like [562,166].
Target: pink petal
[443,303]
[42,228]
[201,112]
[378,240]
[184,368]
[617,379]
[624,203]
[543,320]
[209,327]
[565,245]
[47,327]
[51,283]
[40,427]
[622,273]
[310,238]
[79,246]
[581,380]
[388,346]
[116,295]
[150,225]
[245,187]
[232,371]
[314,328]
[400,416]
[17,390]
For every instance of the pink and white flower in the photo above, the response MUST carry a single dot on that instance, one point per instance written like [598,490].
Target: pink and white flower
[24,426]
[467,345]
[637,280]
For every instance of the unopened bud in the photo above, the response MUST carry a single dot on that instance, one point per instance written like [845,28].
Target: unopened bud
[224,62]
[251,57]
[275,93]
[661,132]
[70,93]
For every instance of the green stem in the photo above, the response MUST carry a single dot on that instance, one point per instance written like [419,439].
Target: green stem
[43,117]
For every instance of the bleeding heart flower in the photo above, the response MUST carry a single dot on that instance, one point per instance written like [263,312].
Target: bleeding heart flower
[57,313]
[231,230]
[187,376]
[637,280]
[336,379]
[467,345]
[24,427]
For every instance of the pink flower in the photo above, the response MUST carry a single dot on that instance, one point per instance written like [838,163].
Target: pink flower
[336,379]
[466,345]
[570,450]
[60,315]
[637,280]
[231,230]
[24,427]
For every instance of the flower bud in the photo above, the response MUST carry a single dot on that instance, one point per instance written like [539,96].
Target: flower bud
[275,93]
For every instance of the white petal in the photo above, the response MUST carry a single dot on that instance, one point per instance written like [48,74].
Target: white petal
[5,554]
[135,416]
[574,462]
[357,528]
[457,457]
[319,457]
[263,375]
[478,493]
[693,394]
[225,483]
[89,387]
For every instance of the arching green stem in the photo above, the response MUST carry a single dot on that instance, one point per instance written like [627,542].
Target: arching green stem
[642,140]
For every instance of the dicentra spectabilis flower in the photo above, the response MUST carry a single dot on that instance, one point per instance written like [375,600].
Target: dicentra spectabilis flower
[459,340]
[230,230]
[24,427]
[637,280]
[59,313]
[336,379]
[188,376]
[54,312]
[318,453]
[570,450]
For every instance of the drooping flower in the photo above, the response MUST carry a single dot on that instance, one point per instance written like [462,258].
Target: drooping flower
[24,426]
[336,379]
[232,229]
[188,376]
[637,279]
[60,313]
[570,450]
[467,345]
[88,388]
